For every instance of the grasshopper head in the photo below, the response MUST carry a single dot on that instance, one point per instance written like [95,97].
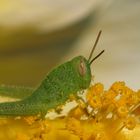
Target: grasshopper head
[82,66]
[83,71]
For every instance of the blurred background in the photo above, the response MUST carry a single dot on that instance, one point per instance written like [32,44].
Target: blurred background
[37,35]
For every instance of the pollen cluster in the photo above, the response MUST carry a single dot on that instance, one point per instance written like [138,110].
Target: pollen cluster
[112,114]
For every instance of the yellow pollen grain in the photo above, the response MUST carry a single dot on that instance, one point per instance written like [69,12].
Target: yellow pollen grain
[30,120]
[130,123]
[122,111]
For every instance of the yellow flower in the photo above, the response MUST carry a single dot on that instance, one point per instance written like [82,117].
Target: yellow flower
[95,102]
[94,94]
[108,98]
[77,112]
[21,136]
[30,120]
[74,126]
[102,116]
[95,90]
[130,123]
[118,86]
[138,94]
[122,111]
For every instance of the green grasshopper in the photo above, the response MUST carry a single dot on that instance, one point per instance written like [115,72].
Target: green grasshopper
[54,90]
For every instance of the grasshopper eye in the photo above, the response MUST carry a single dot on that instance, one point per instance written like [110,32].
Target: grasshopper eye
[82,68]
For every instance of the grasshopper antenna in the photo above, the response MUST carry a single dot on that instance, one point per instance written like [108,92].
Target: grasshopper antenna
[94,46]
[96,57]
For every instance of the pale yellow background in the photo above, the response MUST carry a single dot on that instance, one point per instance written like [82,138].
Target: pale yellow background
[27,52]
